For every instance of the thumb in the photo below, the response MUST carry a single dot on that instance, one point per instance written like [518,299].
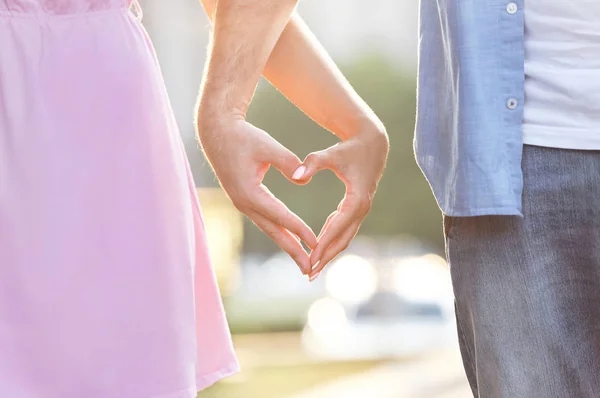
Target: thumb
[313,163]
[284,160]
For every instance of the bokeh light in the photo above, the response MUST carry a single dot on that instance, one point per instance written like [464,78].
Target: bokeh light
[327,315]
[424,279]
[351,279]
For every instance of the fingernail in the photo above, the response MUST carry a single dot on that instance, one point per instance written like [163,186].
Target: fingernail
[299,172]
[315,264]
[315,276]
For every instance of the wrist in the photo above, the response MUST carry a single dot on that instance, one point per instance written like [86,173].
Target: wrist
[374,136]
[369,127]
[348,123]
[213,114]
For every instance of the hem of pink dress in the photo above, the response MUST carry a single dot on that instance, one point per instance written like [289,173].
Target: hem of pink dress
[208,380]
[203,382]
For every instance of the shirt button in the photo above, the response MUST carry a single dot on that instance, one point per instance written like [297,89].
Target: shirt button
[512,103]
[511,8]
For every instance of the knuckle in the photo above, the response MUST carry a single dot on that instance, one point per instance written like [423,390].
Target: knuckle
[313,158]
[339,154]
[344,246]
[250,199]
[289,157]
[278,218]
[290,220]
[284,216]
[273,234]
[243,201]
[363,204]
[240,204]
[279,221]
[284,159]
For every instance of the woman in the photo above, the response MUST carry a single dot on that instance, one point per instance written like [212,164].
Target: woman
[106,288]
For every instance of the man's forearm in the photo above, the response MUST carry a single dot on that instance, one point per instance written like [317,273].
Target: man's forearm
[303,71]
[245,33]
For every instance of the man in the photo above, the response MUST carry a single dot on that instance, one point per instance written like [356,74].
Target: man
[517,181]
[254,37]
[522,221]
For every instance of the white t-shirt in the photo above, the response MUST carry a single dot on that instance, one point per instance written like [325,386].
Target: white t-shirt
[562,74]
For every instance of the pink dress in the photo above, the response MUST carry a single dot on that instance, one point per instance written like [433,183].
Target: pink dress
[106,288]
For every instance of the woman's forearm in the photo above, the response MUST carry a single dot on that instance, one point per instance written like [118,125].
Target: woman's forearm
[302,70]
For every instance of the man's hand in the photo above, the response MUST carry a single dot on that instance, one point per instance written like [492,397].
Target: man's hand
[244,34]
[359,163]
[240,155]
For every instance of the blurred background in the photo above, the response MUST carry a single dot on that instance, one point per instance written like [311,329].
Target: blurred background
[379,322]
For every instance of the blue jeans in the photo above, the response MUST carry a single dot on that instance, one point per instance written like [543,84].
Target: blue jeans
[528,289]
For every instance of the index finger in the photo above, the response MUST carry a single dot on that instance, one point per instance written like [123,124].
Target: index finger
[336,226]
[338,246]
[266,204]
[284,239]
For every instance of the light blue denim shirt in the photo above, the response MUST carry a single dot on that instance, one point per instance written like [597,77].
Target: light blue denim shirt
[470,97]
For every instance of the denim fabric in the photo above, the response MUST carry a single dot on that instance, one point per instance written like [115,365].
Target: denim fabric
[470,95]
[528,289]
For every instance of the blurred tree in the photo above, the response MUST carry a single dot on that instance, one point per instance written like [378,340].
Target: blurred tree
[403,204]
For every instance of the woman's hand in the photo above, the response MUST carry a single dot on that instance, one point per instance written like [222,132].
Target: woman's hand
[240,155]
[359,162]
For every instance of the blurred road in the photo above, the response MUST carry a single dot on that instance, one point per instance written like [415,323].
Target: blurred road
[436,375]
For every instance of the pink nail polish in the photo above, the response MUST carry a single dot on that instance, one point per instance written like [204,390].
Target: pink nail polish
[299,173]
[315,276]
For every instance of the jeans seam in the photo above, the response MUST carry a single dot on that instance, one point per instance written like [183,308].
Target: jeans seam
[463,337]
[472,368]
